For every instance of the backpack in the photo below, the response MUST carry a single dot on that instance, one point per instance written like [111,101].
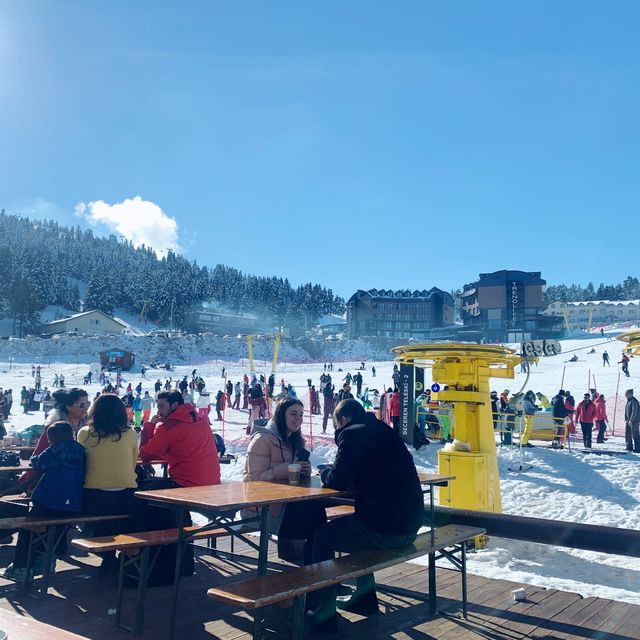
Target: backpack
[220,446]
[9,458]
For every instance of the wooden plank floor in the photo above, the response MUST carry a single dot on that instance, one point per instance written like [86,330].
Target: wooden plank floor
[80,602]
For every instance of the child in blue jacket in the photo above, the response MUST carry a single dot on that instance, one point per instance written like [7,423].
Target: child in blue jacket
[57,494]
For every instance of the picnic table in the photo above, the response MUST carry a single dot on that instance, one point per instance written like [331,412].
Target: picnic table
[23,628]
[221,502]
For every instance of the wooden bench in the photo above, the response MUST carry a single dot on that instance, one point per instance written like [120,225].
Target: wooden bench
[135,551]
[24,628]
[339,511]
[257,593]
[43,531]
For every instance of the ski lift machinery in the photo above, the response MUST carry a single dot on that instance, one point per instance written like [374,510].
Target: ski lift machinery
[466,369]
[632,338]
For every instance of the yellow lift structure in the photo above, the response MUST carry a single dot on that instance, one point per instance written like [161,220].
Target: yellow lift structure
[632,338]
[276,349]
[466,370]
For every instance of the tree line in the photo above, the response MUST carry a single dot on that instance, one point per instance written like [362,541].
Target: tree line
[43,263]
[627,290]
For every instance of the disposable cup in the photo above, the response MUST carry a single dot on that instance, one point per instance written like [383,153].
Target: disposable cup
[519,595]
[294,474]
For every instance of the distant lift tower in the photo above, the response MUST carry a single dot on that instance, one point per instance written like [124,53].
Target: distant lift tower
[465,369]
[276,348]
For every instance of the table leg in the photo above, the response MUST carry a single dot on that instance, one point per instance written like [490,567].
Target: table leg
[263,550]
[464,579]
[432,513]
[176,578]
[432,585]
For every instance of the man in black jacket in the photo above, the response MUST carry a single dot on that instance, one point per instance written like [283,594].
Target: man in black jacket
[374,463]
[559,412]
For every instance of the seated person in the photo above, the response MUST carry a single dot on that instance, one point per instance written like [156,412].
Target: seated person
[57,494]
[111,449]
[176,434]
[271,450]
[374,463]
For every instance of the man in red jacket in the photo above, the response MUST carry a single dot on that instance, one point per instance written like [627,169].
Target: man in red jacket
[585,415]
[176,435]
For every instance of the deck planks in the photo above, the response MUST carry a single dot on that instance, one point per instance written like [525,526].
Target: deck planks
[79,603]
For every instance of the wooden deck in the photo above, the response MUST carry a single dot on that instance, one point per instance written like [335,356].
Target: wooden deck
[80,601]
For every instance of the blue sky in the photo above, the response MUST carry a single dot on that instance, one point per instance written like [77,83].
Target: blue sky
[357,144]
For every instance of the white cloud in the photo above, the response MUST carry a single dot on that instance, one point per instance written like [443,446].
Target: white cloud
[137,220]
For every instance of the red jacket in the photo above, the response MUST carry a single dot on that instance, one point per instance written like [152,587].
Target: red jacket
[394,405]
[586,412]
[601,409]
[187,445]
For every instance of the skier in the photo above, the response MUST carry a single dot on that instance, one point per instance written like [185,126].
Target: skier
[625,364]
[605,359]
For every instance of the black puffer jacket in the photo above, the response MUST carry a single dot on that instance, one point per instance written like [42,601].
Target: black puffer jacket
[373,461]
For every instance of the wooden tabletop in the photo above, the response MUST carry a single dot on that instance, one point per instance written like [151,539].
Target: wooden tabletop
[434,478]
[236,495]
[22,628]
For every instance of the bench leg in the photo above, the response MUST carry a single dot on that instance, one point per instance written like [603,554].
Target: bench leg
[120,589]
[263,550]
[432,585]
[298,617]
[142,591]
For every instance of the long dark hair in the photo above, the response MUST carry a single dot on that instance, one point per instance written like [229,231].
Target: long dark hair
[107,417]
[63,398]
[295,439]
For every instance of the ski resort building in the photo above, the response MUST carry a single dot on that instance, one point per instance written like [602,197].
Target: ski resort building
[398,314]
[224,323]
[90,323]
[590,313]
[506,306]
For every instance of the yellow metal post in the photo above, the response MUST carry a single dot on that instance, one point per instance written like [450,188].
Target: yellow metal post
[276,348]
[250,351]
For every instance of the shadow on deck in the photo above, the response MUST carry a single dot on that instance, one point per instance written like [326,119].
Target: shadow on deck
[80,601]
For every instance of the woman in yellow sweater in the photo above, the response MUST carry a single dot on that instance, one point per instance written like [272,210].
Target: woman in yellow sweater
[111,450]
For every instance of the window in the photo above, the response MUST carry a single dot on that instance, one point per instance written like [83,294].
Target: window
[494,314]
[495,324]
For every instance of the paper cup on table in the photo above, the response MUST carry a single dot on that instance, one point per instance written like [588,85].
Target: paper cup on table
[518,595]
[294,474]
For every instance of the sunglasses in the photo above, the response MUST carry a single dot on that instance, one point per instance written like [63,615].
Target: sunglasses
[82,405]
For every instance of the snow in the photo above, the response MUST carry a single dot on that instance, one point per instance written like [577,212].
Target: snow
[561,485]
